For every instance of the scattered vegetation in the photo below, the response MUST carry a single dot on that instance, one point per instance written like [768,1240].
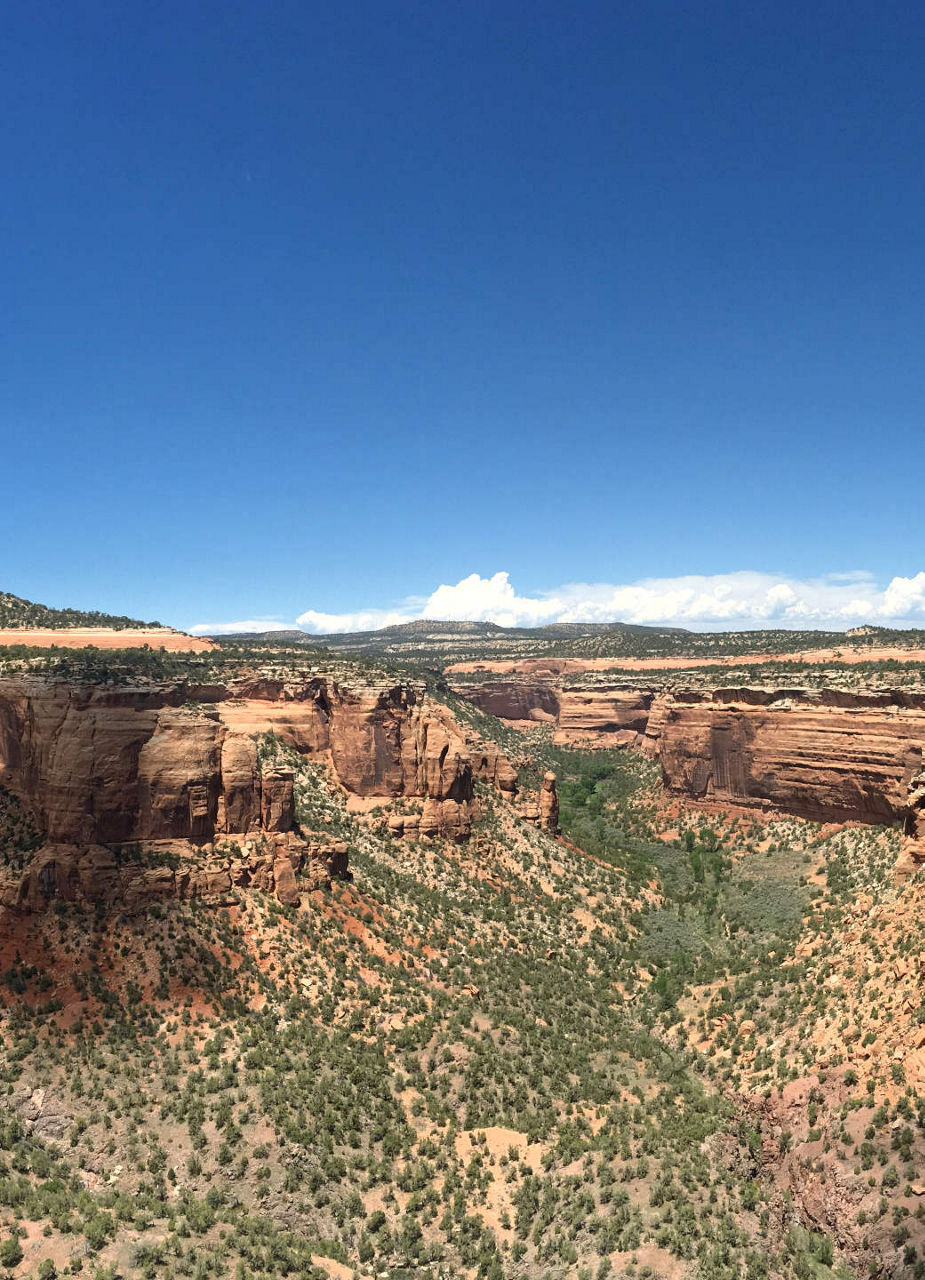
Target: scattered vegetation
[15,612]
[646,1049]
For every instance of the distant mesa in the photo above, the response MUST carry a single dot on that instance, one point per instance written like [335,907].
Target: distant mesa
[447,645]
[428,639]
[23,622]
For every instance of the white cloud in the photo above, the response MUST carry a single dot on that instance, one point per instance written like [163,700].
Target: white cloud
[227,628]
[493,599]
[904,597]
[364,620]
[741,600]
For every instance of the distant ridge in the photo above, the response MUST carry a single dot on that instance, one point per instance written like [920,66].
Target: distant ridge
[424,627]
[16,614]
[27,625]
[439,643]
[435,643]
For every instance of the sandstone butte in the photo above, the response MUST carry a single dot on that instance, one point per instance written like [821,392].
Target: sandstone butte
[99,769]
[105,638]
[829,755]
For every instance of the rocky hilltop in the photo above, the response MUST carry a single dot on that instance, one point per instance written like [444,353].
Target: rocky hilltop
[16,612]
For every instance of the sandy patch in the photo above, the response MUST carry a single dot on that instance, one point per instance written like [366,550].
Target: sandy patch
[499,1192]
[498,1141]
[662,1264]
[81,637]
[336,1270]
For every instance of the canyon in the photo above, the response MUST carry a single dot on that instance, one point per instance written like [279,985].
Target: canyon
[357,860]
[185,770]
[180,766]
[828,754]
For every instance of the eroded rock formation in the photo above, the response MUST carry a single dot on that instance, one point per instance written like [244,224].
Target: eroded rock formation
[549,803]
[912,855]
[100,766]
[542,807]
[95,765]
[831,755]
[829,758]
[134,879]
[604,715]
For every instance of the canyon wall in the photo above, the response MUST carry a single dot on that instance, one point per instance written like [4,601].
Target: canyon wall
[610,715]
[134,879]
[829,755]
[96,766]
[110,765]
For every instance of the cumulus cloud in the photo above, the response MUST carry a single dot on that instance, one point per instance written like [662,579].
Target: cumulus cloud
[228,628]
[493,599]
[741,600]
[905,597]
[320,624]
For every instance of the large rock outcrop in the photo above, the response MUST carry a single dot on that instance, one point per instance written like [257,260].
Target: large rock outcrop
[133,878]
[96,767]
[830,755]
[549,803]
[518,700]
[912,855]
[582,713]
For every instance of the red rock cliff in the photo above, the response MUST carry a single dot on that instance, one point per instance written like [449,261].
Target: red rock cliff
[830,755]
[95,765]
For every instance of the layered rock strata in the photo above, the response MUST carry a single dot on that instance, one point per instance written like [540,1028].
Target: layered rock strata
[100,766]
[603,715]
[96,765]
[830,755]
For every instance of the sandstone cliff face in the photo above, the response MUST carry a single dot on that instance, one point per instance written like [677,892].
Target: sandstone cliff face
[95,766]
[836,759]
[491,765]
[610,716]
[604,716]
[95,874]
[832,755]
[518,700]
[912,854]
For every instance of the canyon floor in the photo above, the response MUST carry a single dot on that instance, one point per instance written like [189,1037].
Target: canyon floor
[673,1038]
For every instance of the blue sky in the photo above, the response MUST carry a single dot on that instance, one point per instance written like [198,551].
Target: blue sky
[310,309]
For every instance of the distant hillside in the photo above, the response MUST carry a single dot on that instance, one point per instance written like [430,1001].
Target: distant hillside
[26,614]
[424,638]
[439,644]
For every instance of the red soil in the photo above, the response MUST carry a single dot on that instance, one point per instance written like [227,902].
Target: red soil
[81,637]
